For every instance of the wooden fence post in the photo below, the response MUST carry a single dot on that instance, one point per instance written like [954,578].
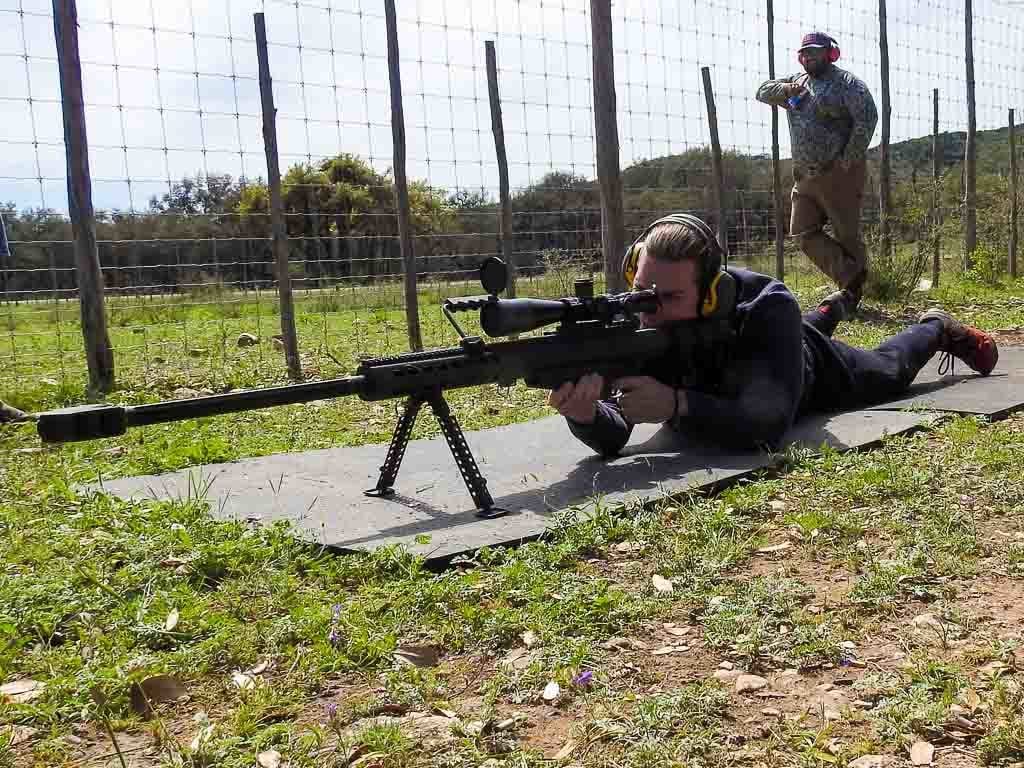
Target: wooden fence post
[885,179]
[936,191]
[970,153]
[1013,201]
[98,352]
[780,225]
[279,231]
[606,134]
[498,129]
[412,304]
[716,160]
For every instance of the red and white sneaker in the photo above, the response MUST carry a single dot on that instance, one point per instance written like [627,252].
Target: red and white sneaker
[964,342]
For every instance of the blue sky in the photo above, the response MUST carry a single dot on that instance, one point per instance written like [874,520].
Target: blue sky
[165,81]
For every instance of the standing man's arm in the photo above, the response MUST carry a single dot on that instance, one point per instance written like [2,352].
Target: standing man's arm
[862,109]
[775,92]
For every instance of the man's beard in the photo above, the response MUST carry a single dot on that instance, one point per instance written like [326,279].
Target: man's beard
[816,69]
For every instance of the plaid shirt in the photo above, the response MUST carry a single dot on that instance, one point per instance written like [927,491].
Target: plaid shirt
[834,121]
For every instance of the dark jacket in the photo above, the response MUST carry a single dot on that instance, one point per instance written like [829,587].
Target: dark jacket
[754,394]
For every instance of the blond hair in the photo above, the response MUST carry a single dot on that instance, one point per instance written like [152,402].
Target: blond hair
[671,241]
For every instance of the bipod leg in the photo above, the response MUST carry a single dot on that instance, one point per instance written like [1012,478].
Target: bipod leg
[475,481]
[396,451]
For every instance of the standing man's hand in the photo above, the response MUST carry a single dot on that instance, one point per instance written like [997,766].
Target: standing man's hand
[790,90]
[578,401]
[645,400]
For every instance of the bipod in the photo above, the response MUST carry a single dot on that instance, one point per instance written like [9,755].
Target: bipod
[453,435]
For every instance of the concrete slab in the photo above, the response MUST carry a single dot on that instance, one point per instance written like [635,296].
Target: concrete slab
[995,396]
[533,471]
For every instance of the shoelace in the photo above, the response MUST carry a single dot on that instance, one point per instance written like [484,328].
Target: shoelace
[947,364]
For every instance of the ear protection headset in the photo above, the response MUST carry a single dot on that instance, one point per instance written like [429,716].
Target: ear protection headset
[712,272]
[833,52]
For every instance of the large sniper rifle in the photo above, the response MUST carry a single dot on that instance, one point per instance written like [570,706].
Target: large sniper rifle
[598,334]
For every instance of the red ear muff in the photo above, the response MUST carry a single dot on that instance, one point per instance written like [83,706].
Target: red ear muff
[833,54]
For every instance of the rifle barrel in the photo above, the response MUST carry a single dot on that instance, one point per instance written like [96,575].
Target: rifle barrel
[87,422]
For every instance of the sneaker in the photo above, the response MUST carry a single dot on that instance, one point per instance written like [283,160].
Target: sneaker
[975,347]
[8,413]
[840,305]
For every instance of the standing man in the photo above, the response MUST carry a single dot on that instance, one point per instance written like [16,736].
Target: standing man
[832,118]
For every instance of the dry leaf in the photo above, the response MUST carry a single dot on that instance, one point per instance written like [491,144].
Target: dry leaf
[242,681]
[172,620]
[417,655]
[154,690]
[21,691]
[971,699]
[661,584]
[921,753]
[269,759]
[551,691]
[775,548]
[529,638]
[566,750]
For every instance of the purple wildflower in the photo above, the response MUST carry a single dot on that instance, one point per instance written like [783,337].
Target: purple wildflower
[583,679]
[332,711]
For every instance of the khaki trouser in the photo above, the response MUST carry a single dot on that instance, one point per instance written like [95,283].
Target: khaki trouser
[835,196]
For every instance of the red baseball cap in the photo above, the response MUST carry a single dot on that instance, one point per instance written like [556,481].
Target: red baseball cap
[816,40]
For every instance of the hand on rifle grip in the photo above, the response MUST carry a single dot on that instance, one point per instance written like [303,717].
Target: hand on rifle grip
[578,401]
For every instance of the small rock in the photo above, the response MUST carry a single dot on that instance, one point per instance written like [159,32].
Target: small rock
[778,506]
[278,344]
[771,712]
[20,733]
[848,645]
[749,683]
[717,601]
[677,631]
[628,547]
[21,691]
[926,621]
[922,753]
[661,584]
[813,609]
[529,638]
[726,675]
[551,691]
[183,393]
[269,759]
[725,665]
[247,340]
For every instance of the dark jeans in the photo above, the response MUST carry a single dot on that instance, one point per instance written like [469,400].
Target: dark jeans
[845,377]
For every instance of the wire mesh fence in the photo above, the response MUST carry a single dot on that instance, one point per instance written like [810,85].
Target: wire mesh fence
[172,103]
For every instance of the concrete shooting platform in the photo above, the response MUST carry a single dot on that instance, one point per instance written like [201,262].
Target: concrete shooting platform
[533,470]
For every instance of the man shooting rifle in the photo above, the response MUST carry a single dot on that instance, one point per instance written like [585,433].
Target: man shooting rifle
[778,366]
